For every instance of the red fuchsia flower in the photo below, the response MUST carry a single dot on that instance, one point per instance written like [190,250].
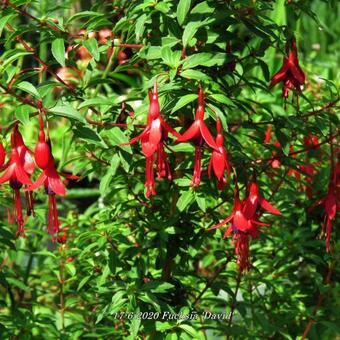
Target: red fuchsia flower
[254,201]
[199,133]
[50,178]
[152,139]
[290,73]
[241,226]
[331,202]
[219,159]
[16,175]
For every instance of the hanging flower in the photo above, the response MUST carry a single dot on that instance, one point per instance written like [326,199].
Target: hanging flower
[50,178]
[152,139]
[290,73]
[241,227]
[219,159]
[331,202]
[16,175]
[199,133]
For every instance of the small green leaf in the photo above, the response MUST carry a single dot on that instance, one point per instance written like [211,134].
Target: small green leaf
[201,202]
[140,26]
[29,88]
[193,74]
[221,98]
[4,20]
[18,284]
[189,32]
[22,113]
[182,10]
[66,111]
[188,98]
[184,200]
[58,51]
[92,47]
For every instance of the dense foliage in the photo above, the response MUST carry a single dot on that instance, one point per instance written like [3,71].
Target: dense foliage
[128,259]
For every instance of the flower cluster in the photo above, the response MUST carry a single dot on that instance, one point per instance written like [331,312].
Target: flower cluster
[18,172]
[156,133]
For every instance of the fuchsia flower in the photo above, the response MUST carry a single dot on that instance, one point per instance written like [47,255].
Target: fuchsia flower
[219,159]
[50,178]
[17,172]
[290,73]
[198,133]
[331,202]
[152,139]
[244,220]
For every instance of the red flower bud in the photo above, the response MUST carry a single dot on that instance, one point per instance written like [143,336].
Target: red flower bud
[42,152]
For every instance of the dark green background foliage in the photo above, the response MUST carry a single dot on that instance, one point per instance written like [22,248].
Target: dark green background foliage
[120,245]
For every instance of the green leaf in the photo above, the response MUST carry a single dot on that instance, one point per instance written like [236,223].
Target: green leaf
[184,200]
[163,326]
[58,51]
[196,59]
[171,58]
[89,135]
[190,330]
[116,136]
[83,282]
[140,26]
[188,98]
[201,202]
[29,88]
[11,59]
[67,111]
[18,284]
[189,31]
[92,47]
[22,113]
[135,325]
[194,74]
[182,10]
[221,98]
[4,20]
[96,101]
[204,59]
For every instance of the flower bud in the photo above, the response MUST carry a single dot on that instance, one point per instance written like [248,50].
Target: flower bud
[42,152]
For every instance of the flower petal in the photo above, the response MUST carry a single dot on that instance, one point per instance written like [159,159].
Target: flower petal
[169,128]
[155,132]
[207,135]
[279,75]
[218,161]
[267,206]
[240,222]
[22,175]
[38,183]
[227,232]
[225,221]
[189,134]
[8,174]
